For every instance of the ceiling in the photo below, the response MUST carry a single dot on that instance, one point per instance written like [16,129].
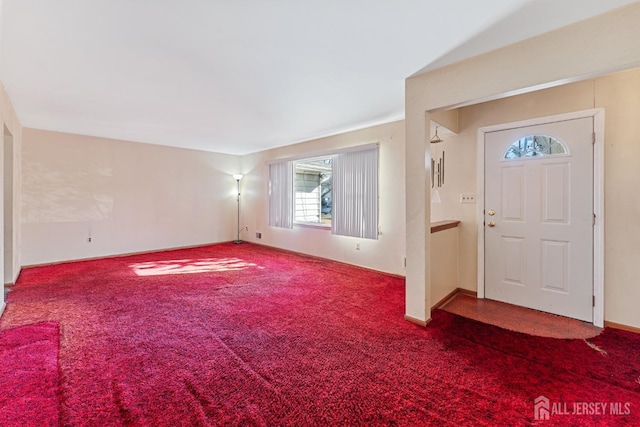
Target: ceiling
[240,76]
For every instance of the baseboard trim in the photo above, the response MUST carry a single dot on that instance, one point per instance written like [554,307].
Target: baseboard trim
[399,276]
[44,264]
[451,295]
[416,320]
[468,293]
[622,327]
[15,279]
[16,275]
[150,251]
[4,305]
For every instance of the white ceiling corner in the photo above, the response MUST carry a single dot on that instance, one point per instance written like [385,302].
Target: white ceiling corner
[243,76]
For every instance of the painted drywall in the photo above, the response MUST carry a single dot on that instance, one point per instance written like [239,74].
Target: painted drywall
[125,196]
[10,244]
[618,94]
[460,179]
[385,254]
[444,263]
[591,48]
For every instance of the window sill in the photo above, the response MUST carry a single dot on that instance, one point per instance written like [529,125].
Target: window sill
[312,225]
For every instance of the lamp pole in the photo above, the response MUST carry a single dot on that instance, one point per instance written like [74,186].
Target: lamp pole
[238,177]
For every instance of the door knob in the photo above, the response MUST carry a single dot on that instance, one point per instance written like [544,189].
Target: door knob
[492,212]
[491,224]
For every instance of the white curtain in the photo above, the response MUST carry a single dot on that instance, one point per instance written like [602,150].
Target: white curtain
[355,194]
[281,194]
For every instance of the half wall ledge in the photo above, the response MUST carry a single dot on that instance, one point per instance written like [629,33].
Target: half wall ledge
[443,225]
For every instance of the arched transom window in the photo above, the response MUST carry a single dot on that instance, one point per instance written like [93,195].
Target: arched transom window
[535,146]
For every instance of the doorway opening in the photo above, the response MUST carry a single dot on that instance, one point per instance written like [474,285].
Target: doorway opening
[484,236]
[8,228]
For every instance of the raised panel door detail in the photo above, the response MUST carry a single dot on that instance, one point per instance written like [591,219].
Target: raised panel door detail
[555,265]
[556,192]
[514,260]
[513,193]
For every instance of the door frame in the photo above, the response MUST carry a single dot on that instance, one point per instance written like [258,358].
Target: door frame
[598,198]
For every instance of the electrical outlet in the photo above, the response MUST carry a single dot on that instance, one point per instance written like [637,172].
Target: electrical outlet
[88,239]
[258,235]
[357,246]
[467,198]
[246,228]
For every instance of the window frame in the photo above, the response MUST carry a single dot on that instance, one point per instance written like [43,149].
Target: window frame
[564,146]
[310,224]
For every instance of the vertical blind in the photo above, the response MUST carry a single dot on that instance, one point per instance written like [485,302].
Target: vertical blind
[355,194]
[281,194]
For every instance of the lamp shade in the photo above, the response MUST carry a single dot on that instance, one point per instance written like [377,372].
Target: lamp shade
[237,176]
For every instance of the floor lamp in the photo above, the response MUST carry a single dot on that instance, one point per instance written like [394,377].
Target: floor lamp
[238,177]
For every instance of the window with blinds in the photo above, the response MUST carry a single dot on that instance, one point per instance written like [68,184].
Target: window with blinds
[338,190]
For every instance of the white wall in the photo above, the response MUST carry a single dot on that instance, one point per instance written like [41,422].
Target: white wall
[460,179]
[126,196]
[386,253]
[10,268]
[444,264]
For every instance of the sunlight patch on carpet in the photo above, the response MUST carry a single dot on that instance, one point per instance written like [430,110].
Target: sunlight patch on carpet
[190,266]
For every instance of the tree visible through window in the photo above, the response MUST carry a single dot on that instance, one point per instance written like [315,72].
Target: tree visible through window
[535,146]
[313,185]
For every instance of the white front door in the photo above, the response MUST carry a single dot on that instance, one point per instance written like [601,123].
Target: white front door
[539,217]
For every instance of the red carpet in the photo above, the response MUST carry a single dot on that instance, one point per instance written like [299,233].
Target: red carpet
[246,335]
[29,375]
